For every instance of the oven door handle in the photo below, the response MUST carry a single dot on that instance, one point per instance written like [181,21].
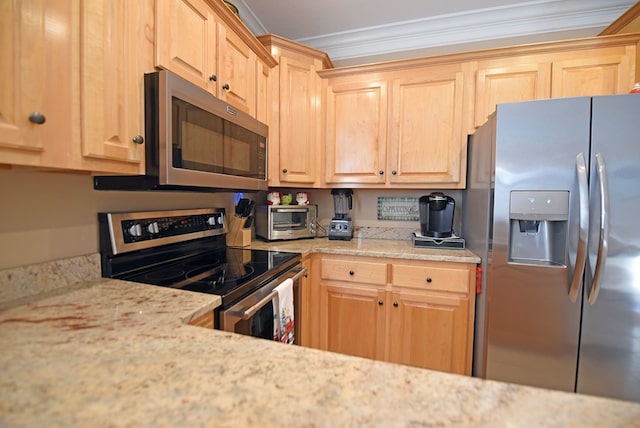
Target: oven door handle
[269,297]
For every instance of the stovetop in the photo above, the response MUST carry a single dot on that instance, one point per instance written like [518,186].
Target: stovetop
[185,249]
[229,272]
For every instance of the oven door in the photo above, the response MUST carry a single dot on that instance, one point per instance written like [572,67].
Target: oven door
[253,315]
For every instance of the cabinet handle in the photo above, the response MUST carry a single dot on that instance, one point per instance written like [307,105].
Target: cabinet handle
[394,172]
[37,118]
[381,172]
[285,170]
[380,303]
[351,272]
[226,86]
[138,139]
[213,78]
[395,304]
[429,279]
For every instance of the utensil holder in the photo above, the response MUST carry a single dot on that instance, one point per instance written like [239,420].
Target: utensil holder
[237,235]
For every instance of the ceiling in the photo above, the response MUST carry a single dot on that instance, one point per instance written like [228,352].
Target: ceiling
[356,31]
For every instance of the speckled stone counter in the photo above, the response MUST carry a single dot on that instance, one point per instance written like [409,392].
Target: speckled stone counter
[369,247]
[115,353]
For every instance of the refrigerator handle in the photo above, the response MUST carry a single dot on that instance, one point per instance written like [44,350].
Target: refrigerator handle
[603,241]
[583,235]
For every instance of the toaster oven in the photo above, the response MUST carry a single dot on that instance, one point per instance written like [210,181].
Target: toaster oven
[279,222]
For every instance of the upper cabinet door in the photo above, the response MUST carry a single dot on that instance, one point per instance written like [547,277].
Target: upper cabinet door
[426,136]
[605,71]
[356,131]
[236,71]
[186,41]
[112,91]
[299,116]
[509,80]
[35,89]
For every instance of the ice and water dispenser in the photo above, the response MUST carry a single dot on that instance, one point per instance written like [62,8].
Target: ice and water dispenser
[538,227]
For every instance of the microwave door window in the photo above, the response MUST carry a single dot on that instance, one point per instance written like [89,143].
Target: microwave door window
[244,152]
[198,142]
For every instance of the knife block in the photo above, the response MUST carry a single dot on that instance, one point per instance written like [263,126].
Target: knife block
[237,235]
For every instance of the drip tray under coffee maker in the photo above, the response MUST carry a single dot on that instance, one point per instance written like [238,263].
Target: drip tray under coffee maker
[452,242]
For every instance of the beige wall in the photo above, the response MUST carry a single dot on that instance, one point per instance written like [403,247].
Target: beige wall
[47,216]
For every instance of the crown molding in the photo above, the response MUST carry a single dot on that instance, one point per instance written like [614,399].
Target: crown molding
[521,19]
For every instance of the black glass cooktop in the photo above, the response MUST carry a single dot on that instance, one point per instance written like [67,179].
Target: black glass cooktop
[228,272]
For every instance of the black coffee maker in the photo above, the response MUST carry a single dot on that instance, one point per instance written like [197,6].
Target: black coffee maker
[436,215]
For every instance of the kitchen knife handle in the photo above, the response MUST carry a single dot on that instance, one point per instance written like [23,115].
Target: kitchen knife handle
[603,241]
[583,220]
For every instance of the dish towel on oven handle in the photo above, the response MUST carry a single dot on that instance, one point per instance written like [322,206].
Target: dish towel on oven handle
[283,323]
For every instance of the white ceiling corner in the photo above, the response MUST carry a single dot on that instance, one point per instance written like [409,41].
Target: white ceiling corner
[508,21]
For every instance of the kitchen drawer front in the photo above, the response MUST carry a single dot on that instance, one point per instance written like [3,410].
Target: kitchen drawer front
[431,278]
[354,271]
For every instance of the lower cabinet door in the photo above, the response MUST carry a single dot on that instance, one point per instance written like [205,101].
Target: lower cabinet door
[353,320]
[429,330]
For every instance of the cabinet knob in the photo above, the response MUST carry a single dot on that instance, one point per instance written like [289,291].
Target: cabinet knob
[138,139]
[395,304]
[381,172]
[213,77]
[285,170]
[37,118]
[380,303]
[351,272]
[394,172]
[429,279]
[226,86]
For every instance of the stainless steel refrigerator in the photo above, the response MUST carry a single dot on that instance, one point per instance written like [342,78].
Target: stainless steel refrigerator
[552,206]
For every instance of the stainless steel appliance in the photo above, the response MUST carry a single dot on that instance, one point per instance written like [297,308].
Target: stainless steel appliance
[341,227]
[436,215]
[195,141]
[186,249]
[551,207]
[275,222]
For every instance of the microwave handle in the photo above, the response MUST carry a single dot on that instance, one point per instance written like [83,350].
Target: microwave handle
[268,298]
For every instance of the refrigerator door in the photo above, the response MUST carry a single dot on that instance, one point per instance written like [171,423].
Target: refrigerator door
[476,224]
[532,324]
[610,343]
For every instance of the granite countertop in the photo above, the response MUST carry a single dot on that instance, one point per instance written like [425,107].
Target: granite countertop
[115,353]
[369,247]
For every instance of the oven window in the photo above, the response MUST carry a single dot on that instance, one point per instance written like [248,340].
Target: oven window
[205,142]
[259,325]
[284,220]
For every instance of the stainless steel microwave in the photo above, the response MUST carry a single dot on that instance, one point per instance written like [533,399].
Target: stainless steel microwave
[276,222]
[195,141]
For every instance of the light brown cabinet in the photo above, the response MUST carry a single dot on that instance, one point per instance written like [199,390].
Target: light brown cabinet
[36,112]
[356,120]
[603,71]
[294,121]
[205,320]
[197,40]
[186,37]
[72,94]
[115,55]
[507,80]
[405,311]
[427,133]
[403,128]
[562,70]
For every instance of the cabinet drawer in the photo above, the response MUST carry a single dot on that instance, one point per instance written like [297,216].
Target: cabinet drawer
[431,278]
[354,271]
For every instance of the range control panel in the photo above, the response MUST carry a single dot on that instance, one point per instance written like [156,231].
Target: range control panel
[139,230]
[161,227]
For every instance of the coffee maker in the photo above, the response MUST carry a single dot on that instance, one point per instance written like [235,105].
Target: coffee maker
[340,227]
[436,215]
